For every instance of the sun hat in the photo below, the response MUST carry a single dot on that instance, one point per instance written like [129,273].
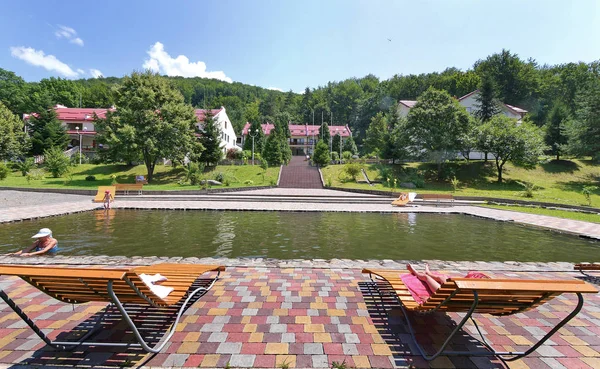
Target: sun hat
[107,191]
[42,233]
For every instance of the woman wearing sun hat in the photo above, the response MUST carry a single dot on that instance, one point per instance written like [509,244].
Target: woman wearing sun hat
[44,243]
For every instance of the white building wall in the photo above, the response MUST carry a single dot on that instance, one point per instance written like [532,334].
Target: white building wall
[228,137]
[403,110]
[470,103]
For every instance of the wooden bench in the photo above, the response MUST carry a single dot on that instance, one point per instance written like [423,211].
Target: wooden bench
[438,198]
[126,187]
[583,267]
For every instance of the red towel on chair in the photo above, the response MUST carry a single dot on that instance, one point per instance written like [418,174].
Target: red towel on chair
[420,291]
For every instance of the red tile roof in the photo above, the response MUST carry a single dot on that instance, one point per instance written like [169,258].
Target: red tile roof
[303,130]
[201,113]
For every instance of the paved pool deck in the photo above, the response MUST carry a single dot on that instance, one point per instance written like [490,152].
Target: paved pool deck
[265,313]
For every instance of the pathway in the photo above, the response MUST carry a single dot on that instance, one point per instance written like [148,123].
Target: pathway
[308,318]
[299,174]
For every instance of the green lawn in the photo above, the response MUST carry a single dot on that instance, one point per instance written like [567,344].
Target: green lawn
[595,218]
[557,181]
[165,177]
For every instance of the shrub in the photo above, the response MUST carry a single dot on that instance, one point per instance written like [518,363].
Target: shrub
[352,169]
[90,178]
[528,189]
[75,159]
[233,154]
[587,192]
[455,183]
[347,155]
[113,179]
[35,175]
[25,166]
[219,177]
[3,171]
[195,178]
[248,182]
[335,156]
[56,161]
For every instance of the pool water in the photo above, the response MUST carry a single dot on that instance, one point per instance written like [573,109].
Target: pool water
[289,235]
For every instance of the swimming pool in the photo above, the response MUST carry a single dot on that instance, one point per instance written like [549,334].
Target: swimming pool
[291,235]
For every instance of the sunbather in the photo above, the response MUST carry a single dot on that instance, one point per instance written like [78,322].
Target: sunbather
[434,281]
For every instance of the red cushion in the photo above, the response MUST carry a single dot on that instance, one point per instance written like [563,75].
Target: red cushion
[477,275]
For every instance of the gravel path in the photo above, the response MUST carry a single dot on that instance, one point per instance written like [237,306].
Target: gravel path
[9,199]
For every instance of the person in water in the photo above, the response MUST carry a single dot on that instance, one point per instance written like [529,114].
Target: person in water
[43,244]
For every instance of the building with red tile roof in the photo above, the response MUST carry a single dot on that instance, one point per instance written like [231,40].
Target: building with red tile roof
[79,123]
[303,136]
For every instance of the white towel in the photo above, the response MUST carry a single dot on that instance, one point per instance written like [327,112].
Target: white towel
[411,196]
[158,290]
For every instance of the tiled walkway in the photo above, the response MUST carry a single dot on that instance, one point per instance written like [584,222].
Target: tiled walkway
[298,174]
[307,318]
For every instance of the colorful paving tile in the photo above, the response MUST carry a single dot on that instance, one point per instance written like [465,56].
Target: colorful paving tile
[299,317]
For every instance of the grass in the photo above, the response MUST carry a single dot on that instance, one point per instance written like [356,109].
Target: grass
[165,177]
[558,182]
[595,218]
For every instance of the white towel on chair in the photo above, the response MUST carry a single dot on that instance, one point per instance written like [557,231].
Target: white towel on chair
[157,289]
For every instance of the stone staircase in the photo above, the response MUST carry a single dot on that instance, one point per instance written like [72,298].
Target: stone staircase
[299,174]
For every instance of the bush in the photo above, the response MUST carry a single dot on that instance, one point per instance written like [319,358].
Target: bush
[56,161]
[587,192]
[528,188]
[347,155]
[335,156]
[219,177]
[455,183]
[90,178]
[195,178]
[352,169]
[75,159]
[4,171]
[248,182]
[233,154]
[35,175]
[25,166]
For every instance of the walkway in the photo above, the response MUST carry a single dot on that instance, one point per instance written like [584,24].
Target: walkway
[299,174]
[308,318]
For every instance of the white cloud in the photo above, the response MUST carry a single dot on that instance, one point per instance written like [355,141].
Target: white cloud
[77,41]
[80,71]
[274,89]
[39,59]
[96,73]
[68,33]
[161,62]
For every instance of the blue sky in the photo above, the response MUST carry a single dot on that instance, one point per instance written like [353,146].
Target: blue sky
[287,44]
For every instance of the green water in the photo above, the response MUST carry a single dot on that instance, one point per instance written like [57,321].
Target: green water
[285,235]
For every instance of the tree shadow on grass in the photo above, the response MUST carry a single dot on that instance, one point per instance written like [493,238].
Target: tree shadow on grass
[560,166]
[430,330]
[107,169]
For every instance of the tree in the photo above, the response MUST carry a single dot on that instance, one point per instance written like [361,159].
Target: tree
[151,121]
[211,140]
[397,143]
[306,106]
[56,161]
[350,145]
[324,133]
[584,130]
[13,140]
[47,131]
[376,134]
[336,143]
[12,91]
[436,124]
[555,137]
[468,139]
[321,156]
[521,144]
[277,150]
[487,104]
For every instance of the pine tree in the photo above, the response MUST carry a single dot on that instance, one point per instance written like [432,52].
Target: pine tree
[259,138]
[47,132]
[321,156]
[324,133]
[336,142]
[13,141]
[486,100]
[555,129]
[211,140]
[350,145]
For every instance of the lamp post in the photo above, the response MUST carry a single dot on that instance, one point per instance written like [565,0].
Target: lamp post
[253,135]
[79,136]
[341,147]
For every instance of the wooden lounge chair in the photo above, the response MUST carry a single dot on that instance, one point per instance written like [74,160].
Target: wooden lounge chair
[584,267]
[491,296]
[115,285]
[102,190]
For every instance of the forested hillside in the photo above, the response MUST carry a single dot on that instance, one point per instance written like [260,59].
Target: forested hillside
[354,101]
